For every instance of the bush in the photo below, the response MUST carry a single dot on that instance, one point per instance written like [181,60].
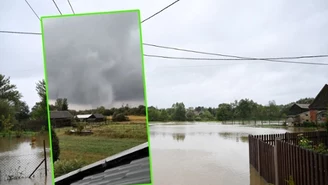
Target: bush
[65,166]
[308,124]
[55,145]
[119,117]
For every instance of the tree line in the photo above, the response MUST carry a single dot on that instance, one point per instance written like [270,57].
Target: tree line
[239,110]
[14,112]
[61,104]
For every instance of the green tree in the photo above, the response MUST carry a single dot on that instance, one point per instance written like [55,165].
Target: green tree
[224,112]
[23,113]
[190,115]
[65,104]
[305,100]
[164,116]
[39,111]
[59,104]
[244,109]
[9,91]
[179,112]
[153,114]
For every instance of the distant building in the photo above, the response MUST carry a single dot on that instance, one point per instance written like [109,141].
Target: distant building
[319,104]
[321,117]
[61,118]
[302,117]
[298,108]
[90,117]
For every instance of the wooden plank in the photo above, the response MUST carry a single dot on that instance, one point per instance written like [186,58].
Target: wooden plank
[308,178]
[325,167]
[316,168]
[320,173]
[311,168]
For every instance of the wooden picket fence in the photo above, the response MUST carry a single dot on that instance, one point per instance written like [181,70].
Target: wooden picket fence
[276,157]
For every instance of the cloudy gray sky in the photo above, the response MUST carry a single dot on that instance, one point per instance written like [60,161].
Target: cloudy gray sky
[246,28]
[94,60]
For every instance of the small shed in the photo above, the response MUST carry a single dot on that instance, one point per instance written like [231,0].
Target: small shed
[61,118]
[83,117]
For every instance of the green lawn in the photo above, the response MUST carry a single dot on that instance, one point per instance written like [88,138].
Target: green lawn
[106,140]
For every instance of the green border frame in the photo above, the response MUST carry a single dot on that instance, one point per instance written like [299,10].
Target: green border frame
[143,78]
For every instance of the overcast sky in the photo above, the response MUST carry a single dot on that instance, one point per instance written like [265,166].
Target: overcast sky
[94,60]
[246,28]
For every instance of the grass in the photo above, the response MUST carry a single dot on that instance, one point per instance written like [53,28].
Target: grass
[18,133]
[133,119]
[106,140]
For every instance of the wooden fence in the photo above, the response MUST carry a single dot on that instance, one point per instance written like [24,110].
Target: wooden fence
[276,157]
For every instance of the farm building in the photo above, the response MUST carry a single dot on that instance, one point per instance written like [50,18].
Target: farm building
[321,117]
[319,105]
[60,118]
[298,109]
[91,117]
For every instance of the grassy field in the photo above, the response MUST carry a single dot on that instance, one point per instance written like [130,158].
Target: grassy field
[133,119]
[106,140]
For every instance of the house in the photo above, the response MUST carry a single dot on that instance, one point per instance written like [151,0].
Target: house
[298,108]
[296,113]
[61,118]
[83,117]
[91,117]
[299,119]
[320,103]
[321,117]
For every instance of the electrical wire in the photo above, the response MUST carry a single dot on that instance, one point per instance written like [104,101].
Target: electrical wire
[32,9]
[57,7]
[71,6]
[20,32]
[221,59]
[159,11]
[235,56]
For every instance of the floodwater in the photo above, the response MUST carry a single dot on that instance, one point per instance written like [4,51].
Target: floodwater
[19,158]
[204,153]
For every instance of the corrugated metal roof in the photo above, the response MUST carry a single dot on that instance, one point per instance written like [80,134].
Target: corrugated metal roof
[126,168]
[60,114]
[303,106]
[99,115]
[137,172]
[83,116]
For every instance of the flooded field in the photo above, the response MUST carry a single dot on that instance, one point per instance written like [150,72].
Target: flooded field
[19,158]
[204,153]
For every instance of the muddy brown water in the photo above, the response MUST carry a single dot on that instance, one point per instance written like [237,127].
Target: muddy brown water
[19,158]
[205,153]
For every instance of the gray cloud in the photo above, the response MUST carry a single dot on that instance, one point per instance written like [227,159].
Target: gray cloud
[94,60]
[247,28]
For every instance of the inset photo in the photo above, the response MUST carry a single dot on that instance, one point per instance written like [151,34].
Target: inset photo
[96,98]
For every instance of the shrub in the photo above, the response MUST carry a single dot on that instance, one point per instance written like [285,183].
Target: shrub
[65,166]
[119,117]
[55,145]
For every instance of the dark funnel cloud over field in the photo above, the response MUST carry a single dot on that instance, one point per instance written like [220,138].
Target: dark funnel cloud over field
[94,60]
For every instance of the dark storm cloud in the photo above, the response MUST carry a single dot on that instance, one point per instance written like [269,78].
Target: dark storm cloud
[94,60]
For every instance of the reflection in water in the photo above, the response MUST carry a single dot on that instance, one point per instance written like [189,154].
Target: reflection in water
[20,156]
[209,154]
[179,137]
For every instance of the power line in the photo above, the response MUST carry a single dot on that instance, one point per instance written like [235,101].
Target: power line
[32,9]
[160,11]
[221,59]
[57,7]
[71,6]
[20,32]
[235,56]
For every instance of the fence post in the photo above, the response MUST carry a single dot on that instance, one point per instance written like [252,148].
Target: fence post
[45,157]
[258,156]
[275,158]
